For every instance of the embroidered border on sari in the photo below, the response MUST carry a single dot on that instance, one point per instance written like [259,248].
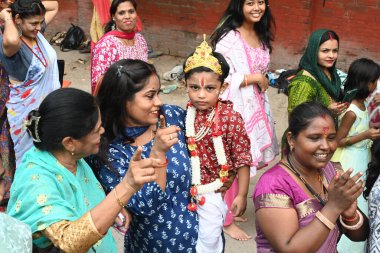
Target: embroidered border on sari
[273,200]
[307,207]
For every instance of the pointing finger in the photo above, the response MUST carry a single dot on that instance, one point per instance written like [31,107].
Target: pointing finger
[137,155]
[162,122]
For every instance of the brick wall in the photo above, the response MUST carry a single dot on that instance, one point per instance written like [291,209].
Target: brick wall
[176,26]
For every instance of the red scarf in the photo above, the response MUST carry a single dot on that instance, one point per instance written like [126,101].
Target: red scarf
[122,35]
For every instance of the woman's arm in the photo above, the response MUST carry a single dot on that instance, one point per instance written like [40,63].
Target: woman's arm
[165,138]
[256,79]
[11,39]
[98,220]
[281,228]
[51,10]
[281,225]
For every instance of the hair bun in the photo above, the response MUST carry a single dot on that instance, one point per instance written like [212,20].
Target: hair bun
[32,123]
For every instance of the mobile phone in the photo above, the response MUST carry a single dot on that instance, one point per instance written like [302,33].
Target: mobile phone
[349,96]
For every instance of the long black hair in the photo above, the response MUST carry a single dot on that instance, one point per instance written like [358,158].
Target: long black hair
[233,18]
[113,9]
[27,8]
[373,171]
[63,113]
[120,84]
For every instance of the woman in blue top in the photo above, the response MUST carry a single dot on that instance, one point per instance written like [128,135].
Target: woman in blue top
[131,108]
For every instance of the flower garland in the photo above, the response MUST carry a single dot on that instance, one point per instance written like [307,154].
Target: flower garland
[192,138]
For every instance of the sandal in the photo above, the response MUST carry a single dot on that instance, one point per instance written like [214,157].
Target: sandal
[57,38]
[173,73]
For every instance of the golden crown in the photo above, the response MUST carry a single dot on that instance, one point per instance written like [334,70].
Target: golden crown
[203,57]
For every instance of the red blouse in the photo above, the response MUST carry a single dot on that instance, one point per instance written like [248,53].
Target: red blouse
[235,139]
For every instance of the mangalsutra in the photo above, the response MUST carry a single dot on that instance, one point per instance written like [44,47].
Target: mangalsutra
[308,186]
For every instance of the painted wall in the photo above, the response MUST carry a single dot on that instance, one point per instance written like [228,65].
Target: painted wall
[176,26]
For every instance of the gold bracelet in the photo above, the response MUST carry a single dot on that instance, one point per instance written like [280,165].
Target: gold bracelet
[324,220]
[347,141]
[130,187]
[121,204]
[245,80]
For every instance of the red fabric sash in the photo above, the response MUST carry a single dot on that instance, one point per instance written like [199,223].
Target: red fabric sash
[102,7]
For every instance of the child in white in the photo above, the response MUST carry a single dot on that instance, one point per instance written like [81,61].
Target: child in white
[218,144]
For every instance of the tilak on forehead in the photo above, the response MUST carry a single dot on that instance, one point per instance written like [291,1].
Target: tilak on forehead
[202,82]
[326,128]
[203,57]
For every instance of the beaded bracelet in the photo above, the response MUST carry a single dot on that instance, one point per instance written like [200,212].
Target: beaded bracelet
[324,220]
[353,227]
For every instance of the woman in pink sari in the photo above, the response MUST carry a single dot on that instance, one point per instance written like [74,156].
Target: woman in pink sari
[300,201]
[121,41]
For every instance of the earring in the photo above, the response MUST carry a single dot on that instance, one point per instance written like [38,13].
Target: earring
[72,153]
[113,27]
[291,148]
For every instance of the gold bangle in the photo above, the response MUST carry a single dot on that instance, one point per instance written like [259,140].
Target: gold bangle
[130,187]
[324,220]
[121,204]
[347,141]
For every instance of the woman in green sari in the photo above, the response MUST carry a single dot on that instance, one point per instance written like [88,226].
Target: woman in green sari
[317,78]
[55,192]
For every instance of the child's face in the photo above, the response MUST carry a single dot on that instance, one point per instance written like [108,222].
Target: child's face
[203,89]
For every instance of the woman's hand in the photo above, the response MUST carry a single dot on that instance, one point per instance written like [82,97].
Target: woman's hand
[373,133]
[262,82]
[350,211]
[338,108]
[165,137]
[6,14]
[344,190]
[141,171]
[123,219]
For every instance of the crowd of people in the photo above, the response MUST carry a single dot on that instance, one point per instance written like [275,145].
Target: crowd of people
[174,179]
